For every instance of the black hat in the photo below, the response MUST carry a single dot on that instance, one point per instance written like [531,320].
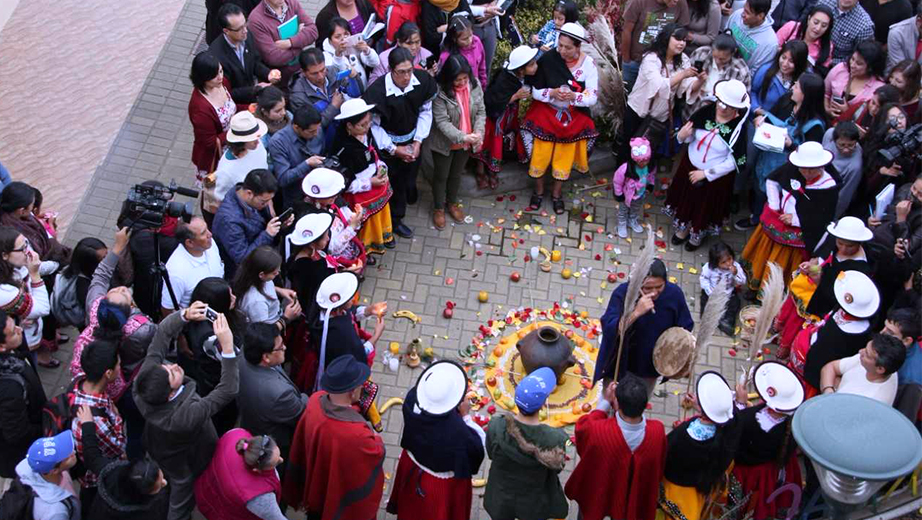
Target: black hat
[344,374]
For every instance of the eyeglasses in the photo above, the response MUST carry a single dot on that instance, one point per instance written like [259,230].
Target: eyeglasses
[238,29]
[403,72]
[25,246]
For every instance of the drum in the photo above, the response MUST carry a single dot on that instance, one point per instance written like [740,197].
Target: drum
[672,355]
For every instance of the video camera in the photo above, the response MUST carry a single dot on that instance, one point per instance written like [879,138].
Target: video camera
[147,205]
[903,143]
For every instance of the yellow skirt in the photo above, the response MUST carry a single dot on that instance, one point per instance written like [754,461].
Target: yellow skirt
[761,249]
[679,502]
[377,231]
[562,157]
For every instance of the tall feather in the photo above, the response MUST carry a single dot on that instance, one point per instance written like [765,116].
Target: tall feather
[707,326]
[638,273]
[773,290]
[604,53]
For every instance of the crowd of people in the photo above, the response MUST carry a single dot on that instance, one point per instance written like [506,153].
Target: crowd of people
[236,378]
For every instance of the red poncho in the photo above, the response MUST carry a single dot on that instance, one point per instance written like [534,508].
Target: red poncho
[335,463]
[606,462]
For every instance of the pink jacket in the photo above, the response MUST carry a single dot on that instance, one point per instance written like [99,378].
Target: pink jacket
[265,30]
[631,189]
[476,57]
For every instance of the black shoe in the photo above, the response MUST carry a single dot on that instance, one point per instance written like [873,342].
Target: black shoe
[727,329]
[744,224]
[412,197]
[677,241]
[370,260]
[403,231]
[691,247]
[390,245]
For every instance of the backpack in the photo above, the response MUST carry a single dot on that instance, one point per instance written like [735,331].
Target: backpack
[18,501]
[64,302]
[59,411]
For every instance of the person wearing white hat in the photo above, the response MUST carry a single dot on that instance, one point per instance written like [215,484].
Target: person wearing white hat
[401,121]
[872,372]
[322,187]
[501,101]
[307,262]
[841,333]
[558,131]
[340,333]
[698,199]
[801,203]
[442,448]
[245,152]
[766,458]
[701,451]
[365,175]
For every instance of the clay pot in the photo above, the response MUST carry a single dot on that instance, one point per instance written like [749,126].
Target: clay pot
[546,347]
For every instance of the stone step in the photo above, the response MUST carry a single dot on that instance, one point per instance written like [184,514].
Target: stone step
[514,176]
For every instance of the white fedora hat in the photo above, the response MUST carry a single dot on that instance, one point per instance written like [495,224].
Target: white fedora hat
[337,289]
[715,397]
[323,183]
[856,294]
[810,154]
[851,229]
[353,107]
[441,387]
[733,93]
[310,227]
[520,56]
[575,31]
[245,127]
[778,386]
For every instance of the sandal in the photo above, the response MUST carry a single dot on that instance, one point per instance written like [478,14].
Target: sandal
[371,260]
[52,363]
[535,203]
[558,205]
[483,182]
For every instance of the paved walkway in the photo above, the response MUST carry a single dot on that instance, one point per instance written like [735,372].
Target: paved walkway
[155,142]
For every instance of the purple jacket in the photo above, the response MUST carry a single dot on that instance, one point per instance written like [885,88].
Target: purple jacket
[475,57]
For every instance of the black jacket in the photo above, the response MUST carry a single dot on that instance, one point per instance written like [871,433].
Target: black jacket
[21,400]
[431,17]
[116,499]
[242,77]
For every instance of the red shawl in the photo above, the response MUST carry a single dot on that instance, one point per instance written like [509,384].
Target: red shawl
[335,463]
[606,462]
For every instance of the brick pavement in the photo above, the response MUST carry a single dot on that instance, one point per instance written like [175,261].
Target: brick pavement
[155,142]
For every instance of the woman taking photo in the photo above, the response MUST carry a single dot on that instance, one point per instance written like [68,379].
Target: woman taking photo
[776,78]
[699,197]
[210,110]
[805,121]
[271,109]
[878,170]
[665,74]
[703,23]
[907,77]
[801,203]
[365,174]
[241,480]
[501,101]
[558,130]
[851,83]
[355,12]
[815,29]
[457,132]
[343,54]
[720,61]
[260,299]
[865,116]
[408,37]
[22,290]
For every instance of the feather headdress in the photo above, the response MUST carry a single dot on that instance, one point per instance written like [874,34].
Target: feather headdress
[639,272]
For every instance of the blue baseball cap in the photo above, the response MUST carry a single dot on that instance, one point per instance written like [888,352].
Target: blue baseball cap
[532,391]
[48,452]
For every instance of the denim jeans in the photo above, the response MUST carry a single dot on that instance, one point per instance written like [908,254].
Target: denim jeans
[629,73]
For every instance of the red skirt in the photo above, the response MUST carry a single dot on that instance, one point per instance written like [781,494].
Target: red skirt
[759,482]
[545,122]
[789,322]
[372,201]
[419,495]
[500,136]
[701,209]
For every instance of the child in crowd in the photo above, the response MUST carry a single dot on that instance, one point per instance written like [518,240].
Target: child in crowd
[460,39]
[346,53]
[906,326]
[723,273]
[630,186]
[48,219]
[322,187]
[564,11]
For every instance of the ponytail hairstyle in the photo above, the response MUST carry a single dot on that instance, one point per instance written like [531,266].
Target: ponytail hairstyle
[456,27]
[144,477]
[257,452]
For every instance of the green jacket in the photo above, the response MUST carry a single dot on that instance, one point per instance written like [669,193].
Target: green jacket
[446,119]
[523,480]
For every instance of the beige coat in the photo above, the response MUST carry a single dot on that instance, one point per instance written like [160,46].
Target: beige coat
[446,115]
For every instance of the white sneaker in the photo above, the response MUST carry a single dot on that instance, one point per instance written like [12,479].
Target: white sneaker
[622,229]
[636,227]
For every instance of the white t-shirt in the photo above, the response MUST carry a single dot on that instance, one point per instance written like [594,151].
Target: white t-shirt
[855,381]
[186,271]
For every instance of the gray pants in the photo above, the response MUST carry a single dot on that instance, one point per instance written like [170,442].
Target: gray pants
[629,213]
[488,37]
[182,495]
[446,176]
